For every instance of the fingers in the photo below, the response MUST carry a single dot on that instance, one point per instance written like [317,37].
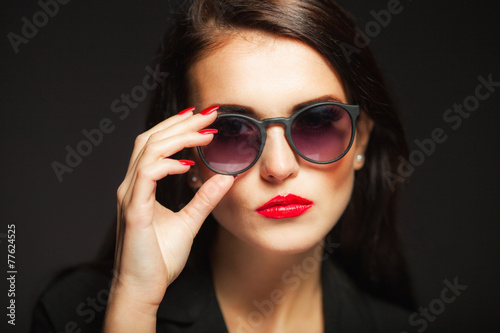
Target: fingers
[149,166]
[175,125]
[205,200]
[142,139]
[167,138]
[171,145]
[143,191]
[150,160]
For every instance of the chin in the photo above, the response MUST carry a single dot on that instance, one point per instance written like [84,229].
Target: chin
[295,240]
[284,236]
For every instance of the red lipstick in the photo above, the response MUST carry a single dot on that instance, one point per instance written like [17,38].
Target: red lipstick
[282,207]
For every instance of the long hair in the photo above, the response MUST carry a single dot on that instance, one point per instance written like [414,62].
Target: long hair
[369,250]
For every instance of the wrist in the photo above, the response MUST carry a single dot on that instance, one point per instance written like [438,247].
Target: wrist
[140,294]
[136,298]
[128,313]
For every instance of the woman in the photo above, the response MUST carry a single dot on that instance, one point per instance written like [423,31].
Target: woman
[288,184]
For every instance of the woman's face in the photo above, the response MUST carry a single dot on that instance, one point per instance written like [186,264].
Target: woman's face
[270,76]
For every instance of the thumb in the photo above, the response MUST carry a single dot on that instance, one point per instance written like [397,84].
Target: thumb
[205,200]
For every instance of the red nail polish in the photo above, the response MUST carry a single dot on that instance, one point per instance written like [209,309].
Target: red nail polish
[208,131]
[186,110]
[209,110]
[186,162]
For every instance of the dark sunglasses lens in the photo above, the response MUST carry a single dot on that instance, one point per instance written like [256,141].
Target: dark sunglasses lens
[322,133]
[234,147]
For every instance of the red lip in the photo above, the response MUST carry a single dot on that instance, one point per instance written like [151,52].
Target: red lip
[281,207]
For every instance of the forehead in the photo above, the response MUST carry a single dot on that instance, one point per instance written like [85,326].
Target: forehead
[268,74]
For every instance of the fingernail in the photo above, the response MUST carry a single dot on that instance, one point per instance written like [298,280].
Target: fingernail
[186,162]
[208,131]
[186,110]
[209,110]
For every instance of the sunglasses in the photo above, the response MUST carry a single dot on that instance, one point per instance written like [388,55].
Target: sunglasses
[321,133]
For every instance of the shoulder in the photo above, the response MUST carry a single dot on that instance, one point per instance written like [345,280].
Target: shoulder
[74,302]
[356,310]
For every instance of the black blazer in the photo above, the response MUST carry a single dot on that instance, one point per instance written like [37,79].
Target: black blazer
[76,301]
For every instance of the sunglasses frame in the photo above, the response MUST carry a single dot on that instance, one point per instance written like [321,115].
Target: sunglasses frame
[352,110]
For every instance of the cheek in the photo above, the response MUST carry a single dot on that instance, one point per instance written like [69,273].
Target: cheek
[334,187]
[331,178]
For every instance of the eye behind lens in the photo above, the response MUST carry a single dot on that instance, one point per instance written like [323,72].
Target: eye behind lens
[231,126]
[235,147]
[322,133]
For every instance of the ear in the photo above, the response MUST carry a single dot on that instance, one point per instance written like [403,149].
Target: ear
[364,126]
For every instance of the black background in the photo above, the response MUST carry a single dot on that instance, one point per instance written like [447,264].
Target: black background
[66,77]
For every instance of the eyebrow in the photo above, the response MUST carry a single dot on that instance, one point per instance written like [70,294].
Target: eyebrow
[240,109]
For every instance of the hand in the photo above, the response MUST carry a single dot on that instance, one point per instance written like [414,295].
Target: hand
[153,242]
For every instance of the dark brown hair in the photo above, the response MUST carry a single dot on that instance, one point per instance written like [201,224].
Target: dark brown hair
[369,245]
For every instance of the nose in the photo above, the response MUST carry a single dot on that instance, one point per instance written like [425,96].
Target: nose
[278,160]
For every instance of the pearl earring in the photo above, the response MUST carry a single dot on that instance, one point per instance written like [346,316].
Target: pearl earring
[359,158]
[194,179]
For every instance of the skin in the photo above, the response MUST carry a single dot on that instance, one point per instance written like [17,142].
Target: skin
[270,76]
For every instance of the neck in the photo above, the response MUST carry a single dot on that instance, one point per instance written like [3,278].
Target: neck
[278,286]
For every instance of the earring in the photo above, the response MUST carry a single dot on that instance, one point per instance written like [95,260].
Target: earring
[194,179]
[359,158]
